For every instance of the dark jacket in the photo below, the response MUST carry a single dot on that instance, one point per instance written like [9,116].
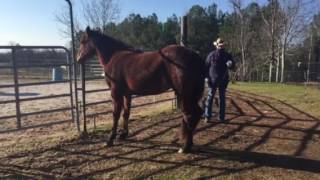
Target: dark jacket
[217,69]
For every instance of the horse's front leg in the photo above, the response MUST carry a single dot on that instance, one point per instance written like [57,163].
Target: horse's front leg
[126,114]
[117,107]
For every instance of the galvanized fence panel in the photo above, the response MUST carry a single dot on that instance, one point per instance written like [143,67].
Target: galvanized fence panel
[23,77]
[29,69]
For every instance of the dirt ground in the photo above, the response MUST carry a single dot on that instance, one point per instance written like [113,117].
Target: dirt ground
[263,139]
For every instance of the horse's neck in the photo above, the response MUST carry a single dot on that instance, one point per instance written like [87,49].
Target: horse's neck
[104,57]
[105,51]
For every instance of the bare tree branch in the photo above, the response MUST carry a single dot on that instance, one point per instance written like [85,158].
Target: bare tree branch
[245,33]
[63,18]
[294,21]
[98,13]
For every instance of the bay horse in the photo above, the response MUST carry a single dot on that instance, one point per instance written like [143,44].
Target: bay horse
[131,72]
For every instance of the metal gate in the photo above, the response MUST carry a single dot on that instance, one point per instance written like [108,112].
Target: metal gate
[30,83]
[30,93]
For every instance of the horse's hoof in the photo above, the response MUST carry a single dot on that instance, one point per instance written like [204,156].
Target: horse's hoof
[184,151]
[109,143]
[123,136]
[84,135]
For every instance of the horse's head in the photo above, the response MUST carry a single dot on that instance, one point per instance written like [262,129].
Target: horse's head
[87,46]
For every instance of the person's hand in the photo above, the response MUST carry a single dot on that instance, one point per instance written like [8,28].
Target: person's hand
[229,64]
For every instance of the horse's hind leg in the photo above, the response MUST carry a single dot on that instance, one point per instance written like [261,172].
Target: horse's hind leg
[191,116]
[126,114]
[117,106]
[186,133]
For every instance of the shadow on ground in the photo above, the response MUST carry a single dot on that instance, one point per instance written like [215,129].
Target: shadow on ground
[263,138]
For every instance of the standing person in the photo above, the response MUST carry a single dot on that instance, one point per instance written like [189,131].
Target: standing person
[217,64]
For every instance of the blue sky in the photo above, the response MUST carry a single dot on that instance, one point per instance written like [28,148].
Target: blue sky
[32,22]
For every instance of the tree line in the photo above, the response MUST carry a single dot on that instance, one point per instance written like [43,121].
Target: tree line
[270,42]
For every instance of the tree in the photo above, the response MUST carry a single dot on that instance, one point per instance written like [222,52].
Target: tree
[170,30]
[63,18]
[202,28]
[144,33]
[242,25]
[131,29]
[151,34]
[293,23]
[98,13]
[271,17]
[256,48]
[315,30]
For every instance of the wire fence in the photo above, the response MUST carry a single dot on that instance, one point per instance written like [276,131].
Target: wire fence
[298,73]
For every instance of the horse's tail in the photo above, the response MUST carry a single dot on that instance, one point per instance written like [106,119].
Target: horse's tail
[200,81]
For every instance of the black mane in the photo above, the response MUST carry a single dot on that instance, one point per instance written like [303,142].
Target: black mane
[109,45]
[109,41]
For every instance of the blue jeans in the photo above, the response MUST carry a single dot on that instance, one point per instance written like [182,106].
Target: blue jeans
[222,102]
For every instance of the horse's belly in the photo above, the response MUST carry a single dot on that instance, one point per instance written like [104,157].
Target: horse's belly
[149,87]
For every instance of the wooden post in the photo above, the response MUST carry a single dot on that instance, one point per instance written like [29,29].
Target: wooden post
[183,31]
[16,87]
[183,42]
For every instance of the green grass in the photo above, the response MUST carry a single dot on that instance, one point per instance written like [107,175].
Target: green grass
[304,98]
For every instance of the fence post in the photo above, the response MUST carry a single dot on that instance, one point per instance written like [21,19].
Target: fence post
[83,88]
[75,69]
[183,31]
[16,87]
[75,120]
[183,42]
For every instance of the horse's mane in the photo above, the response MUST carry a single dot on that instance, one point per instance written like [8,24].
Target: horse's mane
[115,43]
